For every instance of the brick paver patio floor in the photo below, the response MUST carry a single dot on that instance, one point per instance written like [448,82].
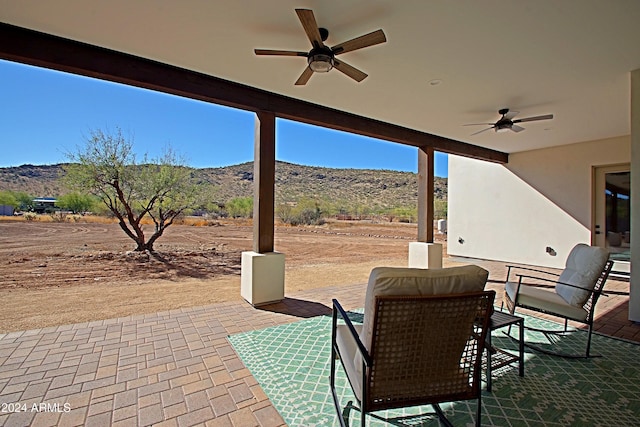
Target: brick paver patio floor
[176,368]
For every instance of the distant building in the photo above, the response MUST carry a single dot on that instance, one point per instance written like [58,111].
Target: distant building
[44,204]
[6,210]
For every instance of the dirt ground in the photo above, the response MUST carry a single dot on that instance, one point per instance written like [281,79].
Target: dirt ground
[60,273]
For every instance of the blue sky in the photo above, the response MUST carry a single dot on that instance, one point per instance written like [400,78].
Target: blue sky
[46,114]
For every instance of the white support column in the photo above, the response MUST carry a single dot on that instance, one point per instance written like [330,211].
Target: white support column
[425,255]
[634,285]
[262,277]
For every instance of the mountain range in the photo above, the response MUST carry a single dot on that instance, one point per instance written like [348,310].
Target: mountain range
[353,187]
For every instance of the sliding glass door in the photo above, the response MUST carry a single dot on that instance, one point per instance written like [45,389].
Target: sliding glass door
[612,213]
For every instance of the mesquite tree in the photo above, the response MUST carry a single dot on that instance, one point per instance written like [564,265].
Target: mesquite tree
[160,189]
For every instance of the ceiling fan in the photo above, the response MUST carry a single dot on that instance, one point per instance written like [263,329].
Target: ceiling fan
[321,58]
[506,122]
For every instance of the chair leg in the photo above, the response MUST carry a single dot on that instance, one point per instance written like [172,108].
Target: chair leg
[511,308]
[537,348]
[341,413]
[332,375]
[488,350]
[441,415]
[589,338]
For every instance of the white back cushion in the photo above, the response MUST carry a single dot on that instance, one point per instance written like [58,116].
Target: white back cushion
[583,267]
[417,281]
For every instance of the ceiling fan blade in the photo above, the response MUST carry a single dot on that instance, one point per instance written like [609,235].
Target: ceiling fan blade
[511,114]
[531,119]
[350,71]
[367,40]
[308,21]
[479,124]
[516,128]
[483,130]
[279,52]
[304,77]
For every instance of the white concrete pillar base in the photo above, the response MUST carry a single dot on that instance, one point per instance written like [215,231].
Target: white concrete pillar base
[425,255]
[262,277]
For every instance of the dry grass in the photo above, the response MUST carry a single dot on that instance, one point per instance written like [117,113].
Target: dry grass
[88,219]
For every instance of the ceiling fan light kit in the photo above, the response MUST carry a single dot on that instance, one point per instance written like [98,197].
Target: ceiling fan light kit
[321,59]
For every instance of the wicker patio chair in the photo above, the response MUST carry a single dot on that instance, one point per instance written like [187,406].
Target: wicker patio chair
[419,344]
[572,296]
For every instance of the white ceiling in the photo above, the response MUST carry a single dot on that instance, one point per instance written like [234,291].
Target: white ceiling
[571,58]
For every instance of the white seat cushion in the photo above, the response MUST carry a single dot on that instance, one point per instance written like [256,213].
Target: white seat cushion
[348,350]
[545,300]
[583,267]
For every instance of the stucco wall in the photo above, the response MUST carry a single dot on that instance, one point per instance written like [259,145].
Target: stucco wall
[541,199]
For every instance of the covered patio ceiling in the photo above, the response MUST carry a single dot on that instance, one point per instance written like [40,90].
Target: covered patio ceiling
[445,63]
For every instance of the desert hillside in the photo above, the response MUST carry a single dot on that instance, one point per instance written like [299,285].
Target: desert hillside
[365,187]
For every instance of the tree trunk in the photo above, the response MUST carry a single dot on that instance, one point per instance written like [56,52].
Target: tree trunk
[153,238]
[142,247]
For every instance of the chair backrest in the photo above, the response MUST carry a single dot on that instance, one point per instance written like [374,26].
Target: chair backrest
[427,349]
[417,281]
[584,266]
[590,304]
[398,282]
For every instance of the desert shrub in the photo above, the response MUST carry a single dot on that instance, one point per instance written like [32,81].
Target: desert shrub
[98,219]
[76,202]
[25,201]
[8,198]
[305,212]
[284,212]
[100,209]
[404,214]
[30,216]
[440,209]
[240,207]
[73,218]
[208,204]
[58,216]
[199,222]
[360,210]
[409,214]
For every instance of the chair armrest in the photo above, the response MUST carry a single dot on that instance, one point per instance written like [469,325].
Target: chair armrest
[338,310]
[524,276]
[509,267]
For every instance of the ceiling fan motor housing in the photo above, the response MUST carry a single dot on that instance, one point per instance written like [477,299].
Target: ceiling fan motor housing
[320,59]
[503,125]
[324,33]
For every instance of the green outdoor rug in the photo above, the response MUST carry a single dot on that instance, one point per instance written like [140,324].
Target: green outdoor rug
[291,363]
